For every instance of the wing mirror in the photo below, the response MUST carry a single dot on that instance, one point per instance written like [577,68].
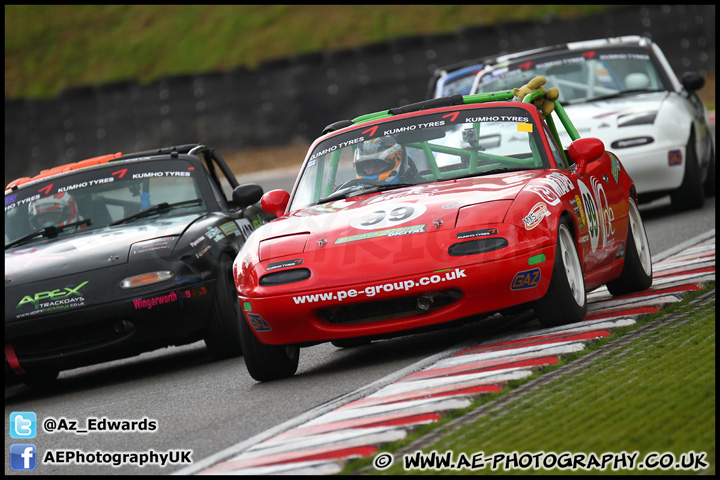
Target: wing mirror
[246,194]
[585,150]
[692,81]
[275,202]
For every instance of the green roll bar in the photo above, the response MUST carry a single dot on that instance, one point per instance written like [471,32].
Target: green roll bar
[505,95]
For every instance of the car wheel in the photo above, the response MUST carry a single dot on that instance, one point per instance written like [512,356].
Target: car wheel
[637,270]
[709,185]
[267,362]
[222,336]
[691,194]
[566,300]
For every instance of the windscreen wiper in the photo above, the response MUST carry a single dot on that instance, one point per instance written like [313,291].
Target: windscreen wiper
[363,190]
[48,232]
[154,209]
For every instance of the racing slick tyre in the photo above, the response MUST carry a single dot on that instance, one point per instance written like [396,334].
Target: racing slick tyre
[222,336]
[691,194]
[267,362]
[566,300]
[637,271]
[709,185]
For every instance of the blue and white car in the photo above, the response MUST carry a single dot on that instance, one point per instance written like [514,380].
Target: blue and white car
[454,79]
[623,91]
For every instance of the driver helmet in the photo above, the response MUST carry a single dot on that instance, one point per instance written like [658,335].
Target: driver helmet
[59,209]
[381,159]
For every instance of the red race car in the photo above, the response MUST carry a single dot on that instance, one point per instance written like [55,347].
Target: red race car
[434,212]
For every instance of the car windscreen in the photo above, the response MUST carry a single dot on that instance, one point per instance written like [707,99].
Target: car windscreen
[457,82]
[103,196]
[582,75]
[439,146]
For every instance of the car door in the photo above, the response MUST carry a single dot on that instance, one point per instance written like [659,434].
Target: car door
[604,205]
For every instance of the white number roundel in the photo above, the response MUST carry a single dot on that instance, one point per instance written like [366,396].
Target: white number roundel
[387,216]
[591,214]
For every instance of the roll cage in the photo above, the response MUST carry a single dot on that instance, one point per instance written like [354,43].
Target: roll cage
[473,163]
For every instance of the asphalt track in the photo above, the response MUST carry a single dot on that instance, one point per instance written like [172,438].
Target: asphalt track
[321,441]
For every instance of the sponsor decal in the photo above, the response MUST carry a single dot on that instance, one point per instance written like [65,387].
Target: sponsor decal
[86,184]
[214,233]
[52,298]
[258,323]
[193,292]
[149,303]
[552,187]
[579,211]
[631,142]
[387,216]
[284,264]
[675,157]
[526,279]
[598,213]
[10,201]
[372,290]
[477,233]
[202,252]
[245,228]
[615,163]
[536,215]
[230,228]
[197,242]
[160,174]
[391,232]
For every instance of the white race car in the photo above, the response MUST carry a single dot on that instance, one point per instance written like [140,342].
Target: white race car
[623,91]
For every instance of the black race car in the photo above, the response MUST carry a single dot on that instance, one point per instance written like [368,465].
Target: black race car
[122,254]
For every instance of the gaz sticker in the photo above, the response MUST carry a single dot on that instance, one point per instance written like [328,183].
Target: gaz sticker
[258,322]
[526,279]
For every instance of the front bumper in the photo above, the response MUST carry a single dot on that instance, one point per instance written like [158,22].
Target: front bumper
[109,331]
[391,305]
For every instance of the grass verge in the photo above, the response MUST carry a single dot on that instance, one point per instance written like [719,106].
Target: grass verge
[647,390]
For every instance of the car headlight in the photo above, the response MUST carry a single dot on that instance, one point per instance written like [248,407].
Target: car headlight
[145,279]
[161,246]
[479,245]
[285,277]
[640,118]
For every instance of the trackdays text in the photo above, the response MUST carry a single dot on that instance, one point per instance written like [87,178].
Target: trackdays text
[372,290]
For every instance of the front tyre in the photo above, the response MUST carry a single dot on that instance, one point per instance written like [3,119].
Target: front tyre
[691,194]
[222,336]
[267,362]
[566,300]
[637,270]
